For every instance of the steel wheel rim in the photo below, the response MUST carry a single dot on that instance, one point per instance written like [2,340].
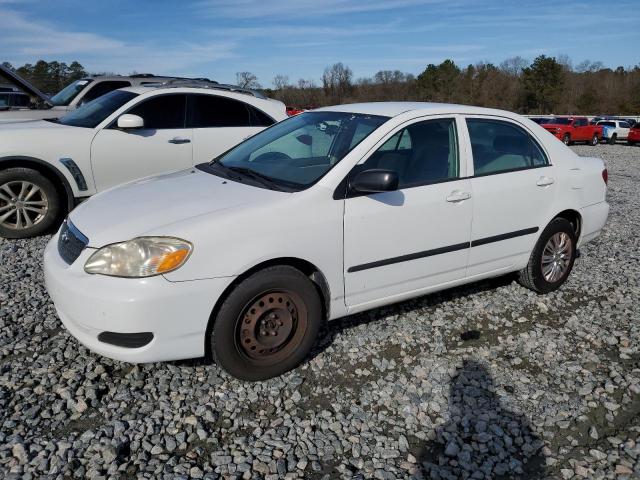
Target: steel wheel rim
[565,139]
[556,257]
[23,205]
[271,327]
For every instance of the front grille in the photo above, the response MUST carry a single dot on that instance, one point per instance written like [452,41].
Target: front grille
[71,242]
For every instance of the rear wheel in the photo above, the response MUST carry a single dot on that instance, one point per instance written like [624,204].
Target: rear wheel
[29,203]
[267,325]
[631,142]
[612,140]
[552,258]
[594,140]
[566,139]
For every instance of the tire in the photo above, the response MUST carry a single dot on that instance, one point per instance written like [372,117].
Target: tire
[533,275]
[29,203]
[612,140]
[566,139]
[631,143]
[277,301]
[594,140]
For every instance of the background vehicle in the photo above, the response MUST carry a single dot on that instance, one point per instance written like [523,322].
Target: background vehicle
[12,100]
[540,120]
[408,198]
[72,96]
[573,129]
[47,166]
[613,130]
[634,134]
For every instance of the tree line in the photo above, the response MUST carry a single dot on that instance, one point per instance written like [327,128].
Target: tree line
[544,86]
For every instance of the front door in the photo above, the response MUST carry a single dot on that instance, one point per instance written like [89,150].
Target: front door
[164,144]
[406,241]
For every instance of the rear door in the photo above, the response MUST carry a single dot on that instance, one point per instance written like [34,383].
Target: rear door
[163,144]
[220,123]
[513,188]
[582,129]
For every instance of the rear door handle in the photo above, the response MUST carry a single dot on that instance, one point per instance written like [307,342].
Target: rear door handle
[178,141]
[458,196]
[545,181]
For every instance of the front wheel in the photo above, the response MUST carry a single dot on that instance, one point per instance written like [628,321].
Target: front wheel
[566,139]
[29,203]
[552,258]
[612,140]
[267,325]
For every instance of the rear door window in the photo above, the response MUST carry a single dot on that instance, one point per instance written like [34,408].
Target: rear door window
[500,146]
[211,111]
[102,88]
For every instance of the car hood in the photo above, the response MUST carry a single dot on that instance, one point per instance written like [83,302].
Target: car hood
[145,206]
[30,125]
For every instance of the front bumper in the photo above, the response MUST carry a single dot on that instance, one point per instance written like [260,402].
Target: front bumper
[176,313]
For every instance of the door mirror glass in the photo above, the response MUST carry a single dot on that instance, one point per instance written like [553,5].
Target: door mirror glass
[128,121]
[375,181]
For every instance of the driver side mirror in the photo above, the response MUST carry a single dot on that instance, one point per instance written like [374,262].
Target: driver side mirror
[375,181]
[128,121]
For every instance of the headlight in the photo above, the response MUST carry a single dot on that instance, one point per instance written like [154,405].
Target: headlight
[140,257]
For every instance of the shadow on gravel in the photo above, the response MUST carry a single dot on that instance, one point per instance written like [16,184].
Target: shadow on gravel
[483,438]
[336,327]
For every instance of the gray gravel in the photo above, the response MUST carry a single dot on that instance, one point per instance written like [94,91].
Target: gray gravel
[485,381]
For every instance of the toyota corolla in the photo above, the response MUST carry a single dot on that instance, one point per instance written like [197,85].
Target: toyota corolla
[323,215]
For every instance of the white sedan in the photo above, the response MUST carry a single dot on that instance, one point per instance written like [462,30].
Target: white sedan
[48,166]
[326,214]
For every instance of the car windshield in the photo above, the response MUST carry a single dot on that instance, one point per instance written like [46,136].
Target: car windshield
[294,154]
[560,121]
[91,114]
[68,93]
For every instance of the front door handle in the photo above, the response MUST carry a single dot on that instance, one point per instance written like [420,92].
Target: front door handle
[179,141]
[458,196]
[545,181]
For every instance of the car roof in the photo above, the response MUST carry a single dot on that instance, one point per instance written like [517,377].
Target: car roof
[393,109]
[227,90]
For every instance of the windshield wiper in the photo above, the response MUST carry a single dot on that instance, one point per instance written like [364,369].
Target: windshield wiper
[261,177]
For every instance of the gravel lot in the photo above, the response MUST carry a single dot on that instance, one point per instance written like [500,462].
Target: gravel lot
[485,381]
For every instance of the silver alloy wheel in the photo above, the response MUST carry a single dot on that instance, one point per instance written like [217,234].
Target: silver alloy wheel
[556,257]
[22,205]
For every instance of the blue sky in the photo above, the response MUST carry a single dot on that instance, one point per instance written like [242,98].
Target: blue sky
[298,38]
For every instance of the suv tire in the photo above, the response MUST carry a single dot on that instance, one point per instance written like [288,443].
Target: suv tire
[29,203]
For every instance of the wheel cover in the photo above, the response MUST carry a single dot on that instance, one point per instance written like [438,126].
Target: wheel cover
[556,257]
[23,205]
[271,326]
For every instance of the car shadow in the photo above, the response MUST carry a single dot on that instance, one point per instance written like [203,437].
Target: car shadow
[334,328]
[483,437]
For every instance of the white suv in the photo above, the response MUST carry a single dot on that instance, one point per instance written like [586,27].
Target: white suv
[48,166]
[614,130]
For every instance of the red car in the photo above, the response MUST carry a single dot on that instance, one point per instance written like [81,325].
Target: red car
[634,135]
[574,129]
